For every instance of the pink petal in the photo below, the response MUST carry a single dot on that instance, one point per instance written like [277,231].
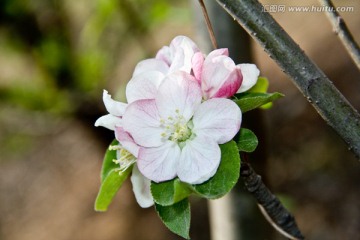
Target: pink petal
[142,121]
[143,86]
[178,92]
[113,107]
[126,141]
[197,62]
[141,188]
[230,85]
[200,158]
[250,75]
[218,119]
[108,121]
[151,64]
[159,164]
[218,71]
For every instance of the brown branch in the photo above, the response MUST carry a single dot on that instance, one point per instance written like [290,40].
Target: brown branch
[310,80]
[269,204]
[208,24]
[342,31]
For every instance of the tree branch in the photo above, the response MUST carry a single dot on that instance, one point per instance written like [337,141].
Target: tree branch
[342,31]
[311,81]
[270,205]
[208,24]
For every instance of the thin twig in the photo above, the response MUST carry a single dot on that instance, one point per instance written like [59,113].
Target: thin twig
[208,24]
[270,205]
[342,31]
[311,81]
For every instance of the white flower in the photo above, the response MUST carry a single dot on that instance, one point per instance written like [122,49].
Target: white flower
[150,73]
[175,57]
[144,86]
[127,153]
[178,134]
[116,110]
[127,150]
[147,77]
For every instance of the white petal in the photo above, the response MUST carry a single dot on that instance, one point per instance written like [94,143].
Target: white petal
[159,164]
[141,188]
[150,64]
[113,107]
[218,119]
[142,121]
[143,86]
[197,63]
[179,91]
[183,41]
[250,75]
[108,121]
[126,141]
[164,55]
[219,52]
[182,50]
[200,158]
[179,62]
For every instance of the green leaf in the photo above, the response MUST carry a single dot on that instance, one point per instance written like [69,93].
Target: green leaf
[261,86]
[108,164]
[266,105]
[109,187]
[169,192]
[226,176]
[176,217]
[247,140]
[248,101]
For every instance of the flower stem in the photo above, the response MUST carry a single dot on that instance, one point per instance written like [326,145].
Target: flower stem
[208,24]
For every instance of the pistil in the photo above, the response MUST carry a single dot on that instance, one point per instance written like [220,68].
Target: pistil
[176,128]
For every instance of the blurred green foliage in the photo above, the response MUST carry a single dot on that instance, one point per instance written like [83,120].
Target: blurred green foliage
[57,55]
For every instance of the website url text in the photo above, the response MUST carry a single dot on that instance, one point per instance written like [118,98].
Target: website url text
[276,8]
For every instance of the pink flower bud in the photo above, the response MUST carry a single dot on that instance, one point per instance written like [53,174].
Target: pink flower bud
[220,77]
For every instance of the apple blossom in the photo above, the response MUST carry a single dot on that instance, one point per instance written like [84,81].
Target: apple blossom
[127,150]
[178,134]
[115,109]
[127,153]
[149,73]
[144,86]
[179,54]
[175,57]
[220,77]
[147,76]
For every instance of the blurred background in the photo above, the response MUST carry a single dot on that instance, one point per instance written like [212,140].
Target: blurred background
[56,57]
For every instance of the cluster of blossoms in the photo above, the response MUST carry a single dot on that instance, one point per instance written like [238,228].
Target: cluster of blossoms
[177,113]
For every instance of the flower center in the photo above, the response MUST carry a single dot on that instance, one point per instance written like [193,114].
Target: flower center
[126,159]
[176,128]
